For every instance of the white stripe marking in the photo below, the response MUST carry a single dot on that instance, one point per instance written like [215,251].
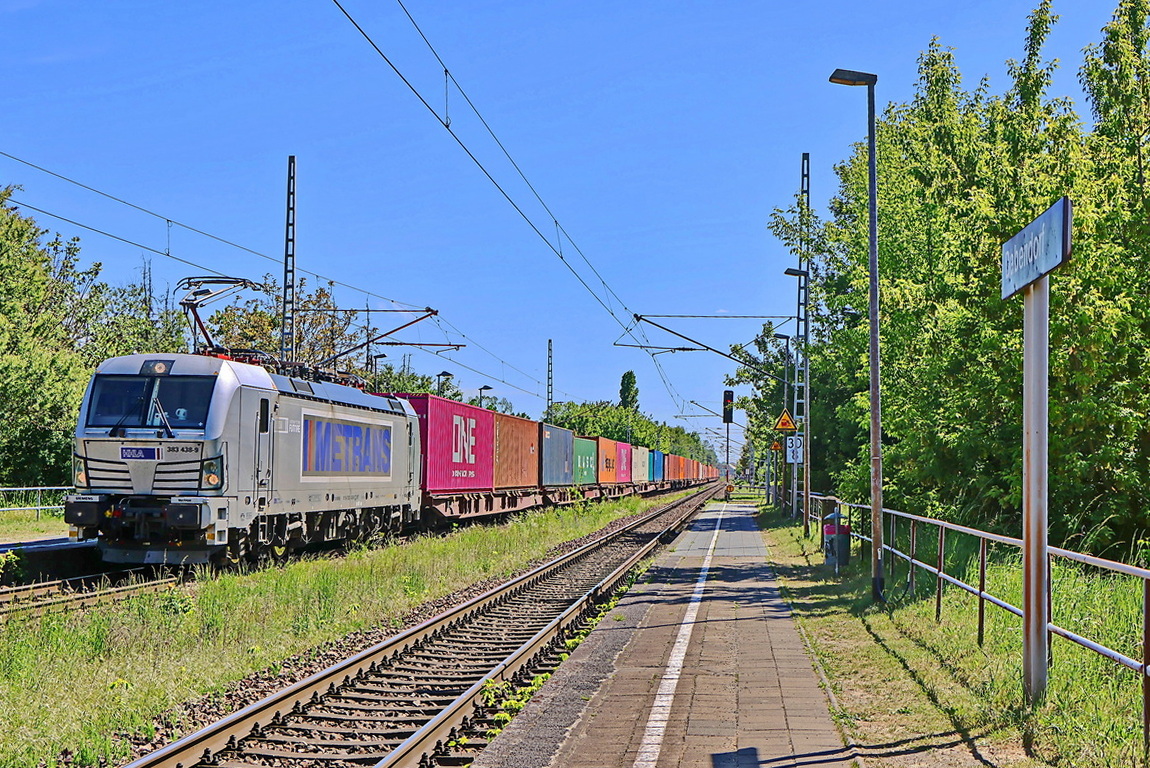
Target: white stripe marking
[661,710]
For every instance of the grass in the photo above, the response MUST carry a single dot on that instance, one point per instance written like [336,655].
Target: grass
[72,681]
[907,683]
[18,524]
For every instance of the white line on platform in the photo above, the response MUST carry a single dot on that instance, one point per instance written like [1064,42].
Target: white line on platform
[661,710]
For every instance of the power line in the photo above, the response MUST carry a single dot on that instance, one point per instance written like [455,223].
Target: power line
[173,222]
[74,223]
[168,254]
[554,247]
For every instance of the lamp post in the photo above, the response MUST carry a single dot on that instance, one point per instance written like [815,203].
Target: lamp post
[439,381]
[850,77]
[483,389]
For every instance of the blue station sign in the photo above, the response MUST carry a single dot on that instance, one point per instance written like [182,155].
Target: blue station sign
[1041,247]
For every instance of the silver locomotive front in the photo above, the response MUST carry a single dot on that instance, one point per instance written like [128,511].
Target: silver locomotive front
[150,456]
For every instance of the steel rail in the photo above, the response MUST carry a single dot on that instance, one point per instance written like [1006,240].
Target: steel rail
[444,727]
[201,746]
[50,596]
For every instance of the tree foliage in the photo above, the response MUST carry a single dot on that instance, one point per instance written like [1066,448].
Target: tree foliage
[960,172]
[629,391]
[57,321]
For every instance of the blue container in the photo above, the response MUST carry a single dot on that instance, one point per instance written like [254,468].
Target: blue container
[657,463]
[557,459]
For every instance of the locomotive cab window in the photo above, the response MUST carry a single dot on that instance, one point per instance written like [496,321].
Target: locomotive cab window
[150,401]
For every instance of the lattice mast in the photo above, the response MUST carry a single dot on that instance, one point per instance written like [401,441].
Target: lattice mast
[287,310]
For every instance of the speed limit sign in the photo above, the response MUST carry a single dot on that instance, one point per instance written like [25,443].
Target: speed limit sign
[794,449]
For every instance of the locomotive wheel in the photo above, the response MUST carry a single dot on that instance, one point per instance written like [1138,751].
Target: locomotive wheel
[235,552]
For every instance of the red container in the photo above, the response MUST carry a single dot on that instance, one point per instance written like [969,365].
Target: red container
[458,444]
[623,462]
[608,461]
[516,452]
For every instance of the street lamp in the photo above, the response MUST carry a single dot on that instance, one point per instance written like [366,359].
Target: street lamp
[850,77]
[483,389]
[439,381]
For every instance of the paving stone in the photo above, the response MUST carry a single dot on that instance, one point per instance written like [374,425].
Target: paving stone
[747,694]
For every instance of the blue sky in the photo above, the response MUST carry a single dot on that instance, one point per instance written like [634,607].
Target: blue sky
[660,134]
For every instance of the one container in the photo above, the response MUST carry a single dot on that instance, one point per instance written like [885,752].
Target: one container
[458,444]
[640,464]
[623,452]
[608,460]
[586,461]
[516,452]
[657,465]
[557,455]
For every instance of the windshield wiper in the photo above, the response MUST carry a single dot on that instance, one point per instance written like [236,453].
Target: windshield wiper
[163,416]
[127,413]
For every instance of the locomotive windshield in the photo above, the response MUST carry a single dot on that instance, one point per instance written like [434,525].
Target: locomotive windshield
[178,402]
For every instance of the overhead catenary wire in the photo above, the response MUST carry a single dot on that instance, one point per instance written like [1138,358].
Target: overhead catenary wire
[172,222]
[554,247]
[168,254]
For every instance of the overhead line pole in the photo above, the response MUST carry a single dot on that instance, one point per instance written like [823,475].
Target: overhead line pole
[287,321]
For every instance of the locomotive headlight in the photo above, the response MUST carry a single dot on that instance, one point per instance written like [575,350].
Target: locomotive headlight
[211,473]
[79,476]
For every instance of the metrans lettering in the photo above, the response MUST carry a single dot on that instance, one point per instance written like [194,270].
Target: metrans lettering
[344,448]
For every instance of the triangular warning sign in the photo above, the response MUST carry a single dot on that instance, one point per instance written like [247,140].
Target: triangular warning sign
[776,446]
[785,422]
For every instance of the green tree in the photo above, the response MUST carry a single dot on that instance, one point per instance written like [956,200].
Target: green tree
[629,392]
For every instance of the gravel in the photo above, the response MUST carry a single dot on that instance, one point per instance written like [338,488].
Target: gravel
[193,715]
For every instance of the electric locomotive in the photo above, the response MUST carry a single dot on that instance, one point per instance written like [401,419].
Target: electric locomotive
[192,458]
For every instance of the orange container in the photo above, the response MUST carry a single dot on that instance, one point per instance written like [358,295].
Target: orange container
[608,460]
[516,452]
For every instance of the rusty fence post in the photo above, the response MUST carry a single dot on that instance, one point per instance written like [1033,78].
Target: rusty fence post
[913,548]
[938,576]
[981,589]
[893,545]
[1145,671]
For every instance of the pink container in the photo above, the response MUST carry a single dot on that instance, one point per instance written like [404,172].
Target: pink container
[458,444]
[623,463]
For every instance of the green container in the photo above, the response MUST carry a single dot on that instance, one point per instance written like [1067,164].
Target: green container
[586,461]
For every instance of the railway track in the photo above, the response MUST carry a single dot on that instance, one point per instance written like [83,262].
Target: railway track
[80,592]
[423,698]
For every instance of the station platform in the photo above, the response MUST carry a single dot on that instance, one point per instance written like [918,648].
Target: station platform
[700,666]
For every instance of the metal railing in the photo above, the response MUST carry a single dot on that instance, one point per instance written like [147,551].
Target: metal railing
[32,499]
[827,504]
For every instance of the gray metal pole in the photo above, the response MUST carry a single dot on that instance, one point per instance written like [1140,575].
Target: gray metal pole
[877,574]
[1036,587]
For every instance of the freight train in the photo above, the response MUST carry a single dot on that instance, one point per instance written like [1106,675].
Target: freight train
[182,459]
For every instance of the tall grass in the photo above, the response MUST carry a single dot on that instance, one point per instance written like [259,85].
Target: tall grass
[18,523]
[1091,716]
[72,681]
